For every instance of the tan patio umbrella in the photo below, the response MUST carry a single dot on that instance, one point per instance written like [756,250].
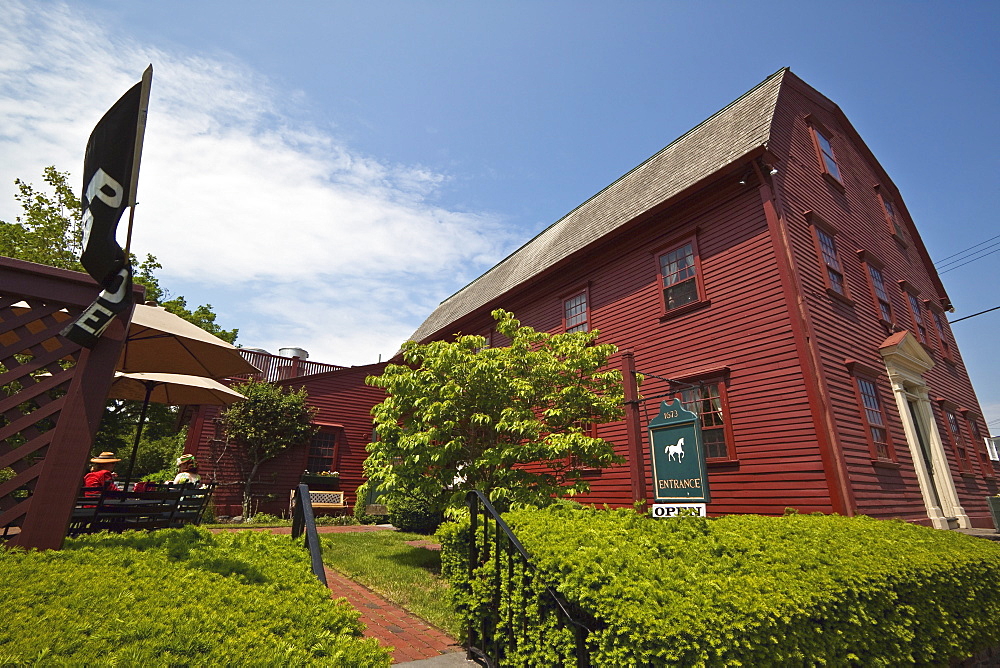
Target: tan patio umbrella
[160,342]
[171,389]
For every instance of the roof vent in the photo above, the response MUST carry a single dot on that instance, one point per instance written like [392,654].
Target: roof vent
[293,352]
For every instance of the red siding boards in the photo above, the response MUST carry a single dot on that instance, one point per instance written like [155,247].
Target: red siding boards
[343,397]
[744,327]
[769,318]
[842,331]
[340,397]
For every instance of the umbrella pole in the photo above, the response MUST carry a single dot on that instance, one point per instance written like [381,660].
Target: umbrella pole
[138,432]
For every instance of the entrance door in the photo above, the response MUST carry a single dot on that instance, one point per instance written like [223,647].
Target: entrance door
[925,452]
[907,362]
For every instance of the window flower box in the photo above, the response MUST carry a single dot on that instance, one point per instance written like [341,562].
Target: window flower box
[321,481]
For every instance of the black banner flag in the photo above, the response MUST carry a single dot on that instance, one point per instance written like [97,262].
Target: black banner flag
[110,176]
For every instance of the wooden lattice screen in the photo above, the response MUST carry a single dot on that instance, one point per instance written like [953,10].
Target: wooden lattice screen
[52,396]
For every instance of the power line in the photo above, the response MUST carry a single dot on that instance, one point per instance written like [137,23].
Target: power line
[962,252]
[973,259]
[951,322]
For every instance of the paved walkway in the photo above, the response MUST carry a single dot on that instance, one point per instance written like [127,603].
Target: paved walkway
[413,639]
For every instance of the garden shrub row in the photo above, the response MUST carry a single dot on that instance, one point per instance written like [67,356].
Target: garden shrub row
[178,597]
[742,590]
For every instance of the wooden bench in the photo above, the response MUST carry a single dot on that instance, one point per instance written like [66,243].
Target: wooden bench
[321,500]
[160,508]
[191,506]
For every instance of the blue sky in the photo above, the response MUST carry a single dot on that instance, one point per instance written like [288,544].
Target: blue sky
[323,173]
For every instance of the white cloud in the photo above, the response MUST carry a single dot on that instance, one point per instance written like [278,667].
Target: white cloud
[236,196]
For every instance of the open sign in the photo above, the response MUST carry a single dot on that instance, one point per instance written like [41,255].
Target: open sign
[679,510]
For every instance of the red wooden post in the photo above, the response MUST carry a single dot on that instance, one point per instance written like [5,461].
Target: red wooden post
[637,471]
[62,470]
[53,416]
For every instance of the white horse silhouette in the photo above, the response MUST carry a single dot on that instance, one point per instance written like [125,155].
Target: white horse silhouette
[676,449]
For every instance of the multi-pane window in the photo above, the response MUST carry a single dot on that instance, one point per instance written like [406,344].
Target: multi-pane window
[575,313]
[891,217]
[834,272]
[706,402]
[874,417]
[980,444]
[679,273]
[881,296]
[826,154]
[918,320]
[942,334]
[957,439]
[323,450]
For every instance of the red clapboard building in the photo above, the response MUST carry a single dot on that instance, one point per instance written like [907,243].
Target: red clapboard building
[764,268]
[343,403]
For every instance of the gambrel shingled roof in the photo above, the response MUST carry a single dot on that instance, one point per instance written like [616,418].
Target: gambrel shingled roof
[722,139]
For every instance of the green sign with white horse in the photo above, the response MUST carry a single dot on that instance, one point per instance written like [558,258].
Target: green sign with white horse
[678,455]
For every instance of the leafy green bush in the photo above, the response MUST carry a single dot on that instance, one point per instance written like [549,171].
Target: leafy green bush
[179,597]
[361,504]
[413,512]
[742,590]
[157,456]
[163,475]
[265,518]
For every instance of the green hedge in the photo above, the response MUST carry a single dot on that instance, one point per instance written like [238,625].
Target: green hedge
[179,597]
[743,590]
[413,513]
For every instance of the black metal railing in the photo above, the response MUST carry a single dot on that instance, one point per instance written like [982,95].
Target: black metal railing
[517,604]
[303,521]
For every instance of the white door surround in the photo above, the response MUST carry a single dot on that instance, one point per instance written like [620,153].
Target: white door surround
[906,361]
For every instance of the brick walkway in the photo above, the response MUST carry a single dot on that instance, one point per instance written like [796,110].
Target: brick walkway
[411,637]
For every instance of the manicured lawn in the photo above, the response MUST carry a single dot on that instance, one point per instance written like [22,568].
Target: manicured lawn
[408,576]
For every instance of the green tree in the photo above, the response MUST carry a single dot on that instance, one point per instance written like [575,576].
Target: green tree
[49,231]
[510,421]
[268,422]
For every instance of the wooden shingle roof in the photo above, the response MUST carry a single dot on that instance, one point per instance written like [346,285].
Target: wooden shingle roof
[740,128]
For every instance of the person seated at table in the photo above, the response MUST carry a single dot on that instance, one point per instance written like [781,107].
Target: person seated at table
[102,473]
[188,468]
